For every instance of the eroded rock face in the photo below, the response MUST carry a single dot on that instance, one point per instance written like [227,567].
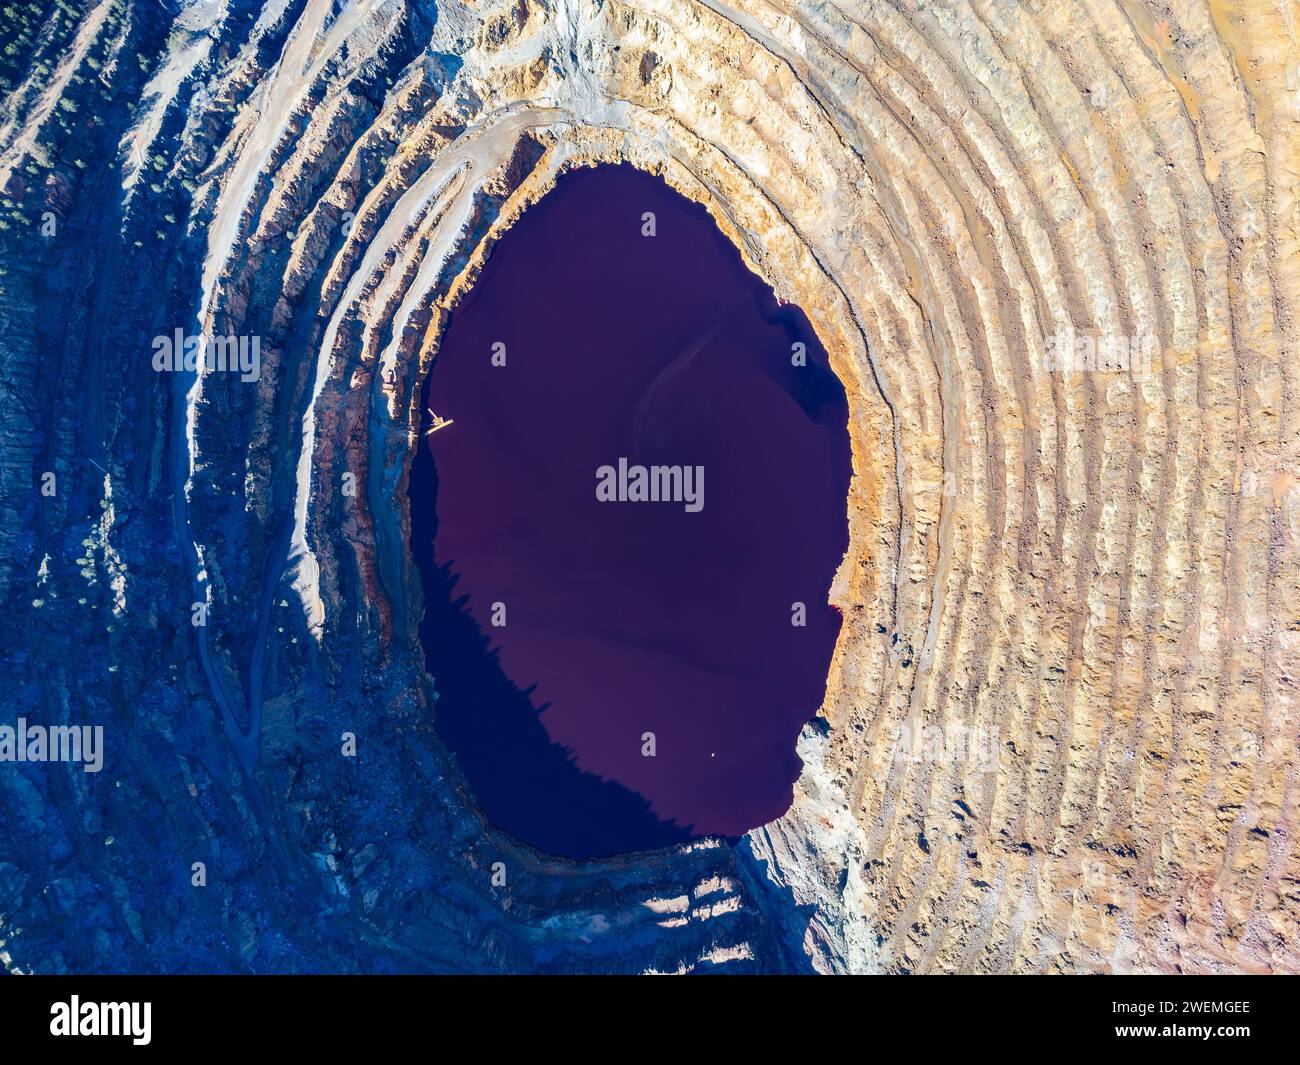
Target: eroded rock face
[1061,729]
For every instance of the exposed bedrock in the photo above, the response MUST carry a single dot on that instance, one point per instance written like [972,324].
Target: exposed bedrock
[1061,727]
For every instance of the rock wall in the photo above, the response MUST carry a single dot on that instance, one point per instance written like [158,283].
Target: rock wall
[1051,247]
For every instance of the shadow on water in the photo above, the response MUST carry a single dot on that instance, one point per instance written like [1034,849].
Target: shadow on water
[813,386]
[525,783]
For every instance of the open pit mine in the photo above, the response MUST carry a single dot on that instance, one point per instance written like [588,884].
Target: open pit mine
[1043,256]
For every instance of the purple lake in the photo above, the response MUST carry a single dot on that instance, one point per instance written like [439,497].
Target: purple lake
[562,628]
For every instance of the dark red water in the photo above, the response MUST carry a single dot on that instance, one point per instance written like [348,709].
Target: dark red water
[626,618]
